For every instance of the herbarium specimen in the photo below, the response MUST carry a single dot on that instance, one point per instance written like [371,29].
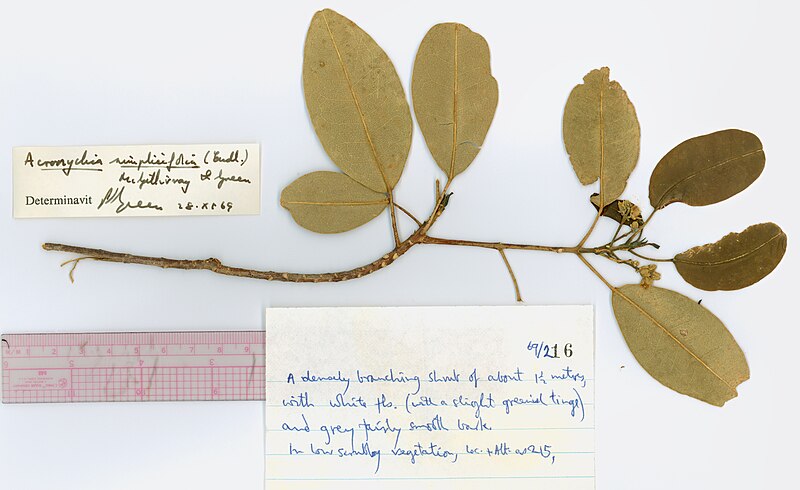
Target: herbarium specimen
[360,113]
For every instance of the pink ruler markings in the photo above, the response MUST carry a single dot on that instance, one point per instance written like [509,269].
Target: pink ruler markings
[133,366]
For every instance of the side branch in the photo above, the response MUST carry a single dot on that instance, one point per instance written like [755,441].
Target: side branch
[216,266]
[511,273]
[503,246]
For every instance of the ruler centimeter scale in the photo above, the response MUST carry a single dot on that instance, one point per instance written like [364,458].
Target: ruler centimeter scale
[133,367]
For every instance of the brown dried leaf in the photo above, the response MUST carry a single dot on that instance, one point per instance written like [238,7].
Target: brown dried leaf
[601,134]
[455,94]
[680,343]
[735,261]
[707,169]
[355,101]
[331,202]
[614,211]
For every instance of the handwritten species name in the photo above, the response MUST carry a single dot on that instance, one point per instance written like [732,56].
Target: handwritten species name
[147,181]
[175,160]
[66,165]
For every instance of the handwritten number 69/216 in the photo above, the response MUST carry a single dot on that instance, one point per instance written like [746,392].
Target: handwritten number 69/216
[543,350]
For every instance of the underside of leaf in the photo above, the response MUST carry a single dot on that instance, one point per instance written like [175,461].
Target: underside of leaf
[707,169]
[331,202]
[356,101]
[680,343]
[735,261]
[455,94]
[601,134]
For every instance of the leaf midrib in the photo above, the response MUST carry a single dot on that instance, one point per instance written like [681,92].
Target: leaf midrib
[454,147]
[375,158]
[732,259]
[675,339]
[602,148]
[338,203]
[695,174]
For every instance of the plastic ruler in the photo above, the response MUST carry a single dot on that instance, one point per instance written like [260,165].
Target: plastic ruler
[133,367]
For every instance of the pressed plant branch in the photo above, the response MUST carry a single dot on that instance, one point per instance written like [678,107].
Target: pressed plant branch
[419,236]
[674,338]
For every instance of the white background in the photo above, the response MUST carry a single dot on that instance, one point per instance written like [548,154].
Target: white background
[79,72]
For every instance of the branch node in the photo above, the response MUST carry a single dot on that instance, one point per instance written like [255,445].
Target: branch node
[213,263]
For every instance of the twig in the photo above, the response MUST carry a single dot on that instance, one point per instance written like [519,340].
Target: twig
[216,266]
[420,236]
[408,213]
[501,245]
[591,227]
[616,233]
[511,273]
[596,272]
[652,259]
[613,257]
[74,263]
[394,219]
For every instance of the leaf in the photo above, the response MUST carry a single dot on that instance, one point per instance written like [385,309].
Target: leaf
[455,94]
[330,202]
[680,343]
[356,102]
[735,261]
[614,211]
[707,169]
[601,133]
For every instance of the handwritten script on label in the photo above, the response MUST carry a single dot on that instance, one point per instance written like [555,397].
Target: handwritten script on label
[430,397]
[143,180]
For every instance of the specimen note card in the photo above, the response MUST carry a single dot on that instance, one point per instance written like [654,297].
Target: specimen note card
[430,397]
[142,180]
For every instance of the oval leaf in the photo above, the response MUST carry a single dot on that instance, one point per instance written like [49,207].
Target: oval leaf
[355,101]
[601,134]
[680,343]
[330,202]
[707,169]
[455,94]
[734,262]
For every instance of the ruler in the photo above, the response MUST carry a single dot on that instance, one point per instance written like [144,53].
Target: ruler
[133,367]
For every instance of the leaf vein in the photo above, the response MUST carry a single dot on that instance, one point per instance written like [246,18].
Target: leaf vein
[675,339]
[732,259]
[695,174]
